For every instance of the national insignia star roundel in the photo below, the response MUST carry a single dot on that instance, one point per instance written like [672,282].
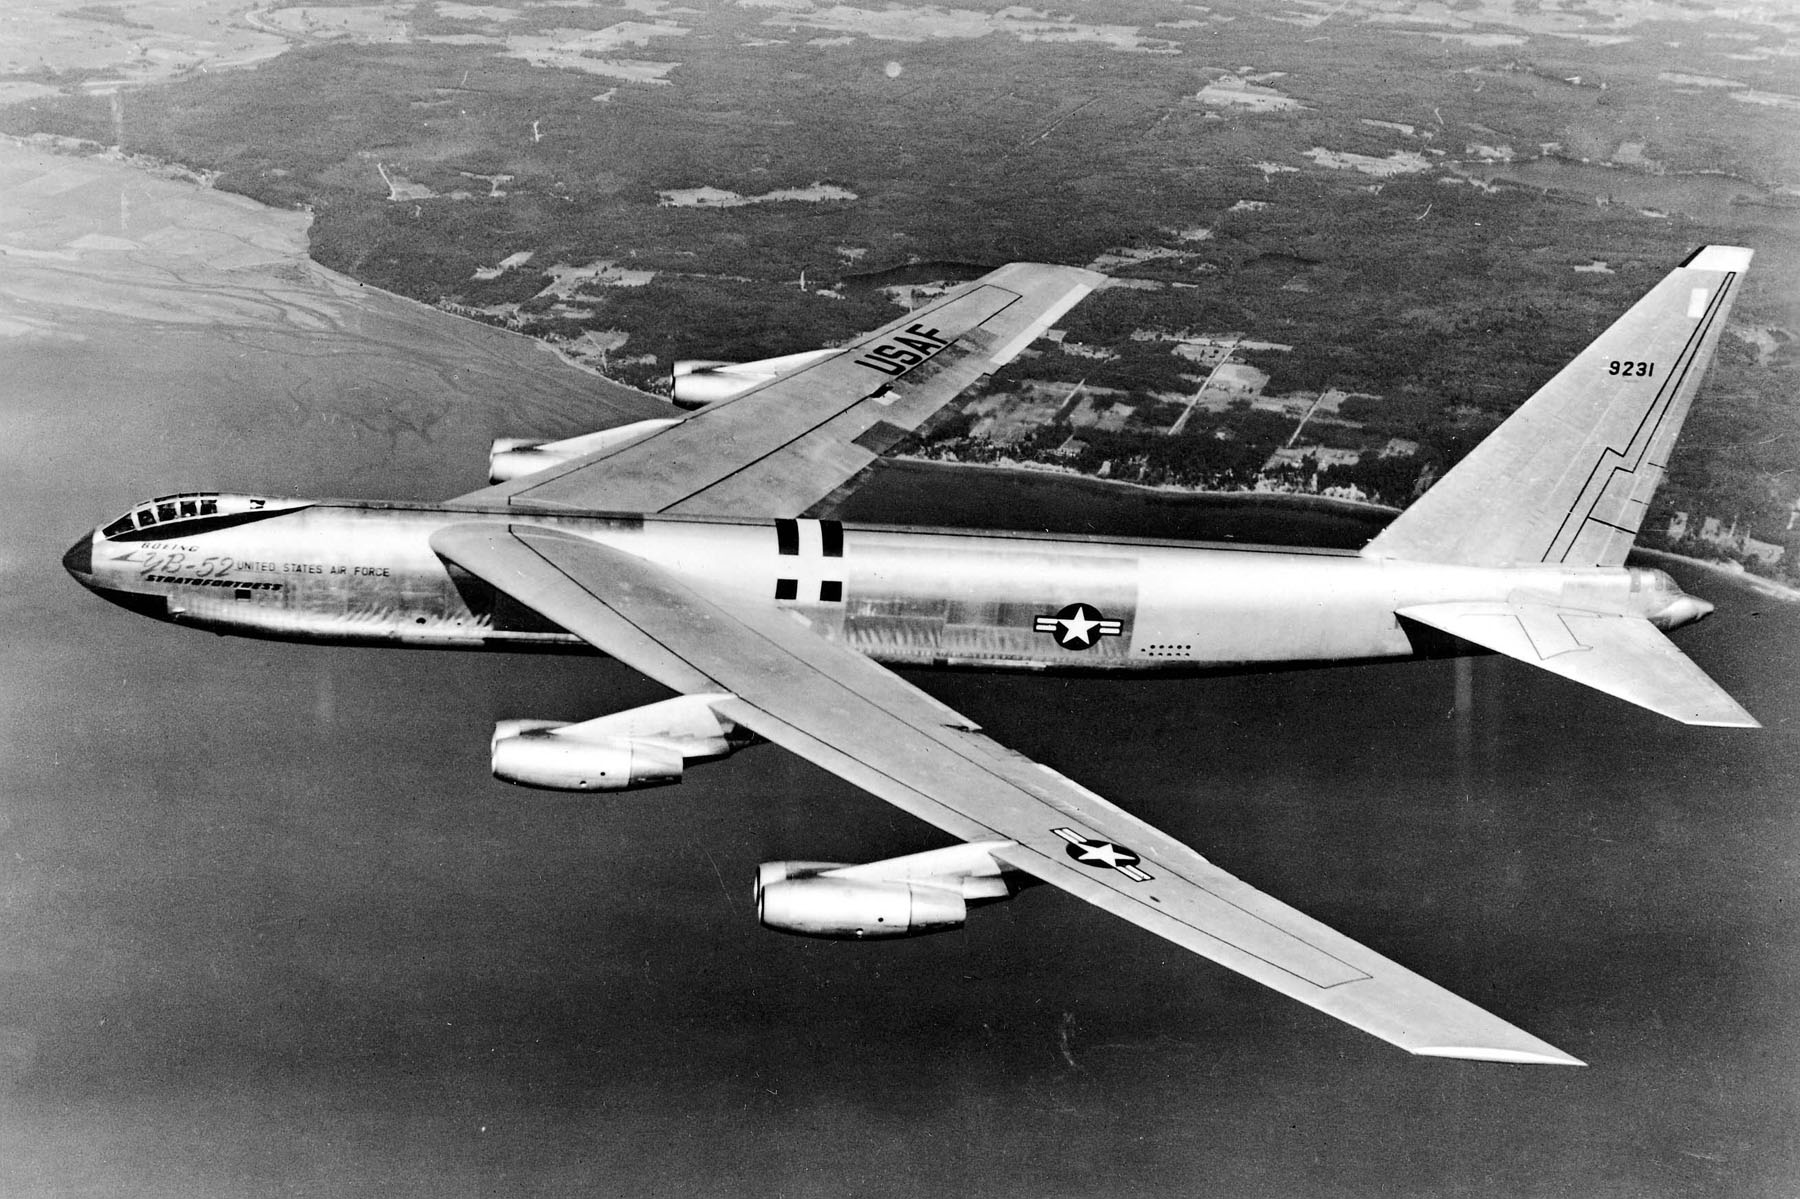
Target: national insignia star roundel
[1078,626]
[1102,855]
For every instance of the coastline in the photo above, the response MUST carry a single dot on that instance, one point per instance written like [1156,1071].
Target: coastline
[1033,470]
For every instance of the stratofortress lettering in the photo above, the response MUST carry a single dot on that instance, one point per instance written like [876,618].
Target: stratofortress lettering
[903,351]
[234,584]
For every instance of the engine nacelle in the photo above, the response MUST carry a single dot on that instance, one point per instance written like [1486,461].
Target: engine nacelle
[514,457]
[700,388]
[695,383]
[511,457]
[795,897]
[688,366]
[533,753]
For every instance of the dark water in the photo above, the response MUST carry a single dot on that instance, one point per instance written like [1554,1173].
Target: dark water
[270,929]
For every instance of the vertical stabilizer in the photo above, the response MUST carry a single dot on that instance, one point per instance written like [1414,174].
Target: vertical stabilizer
[1568,477]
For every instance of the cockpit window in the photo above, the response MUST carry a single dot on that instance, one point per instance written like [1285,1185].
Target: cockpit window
[174,510]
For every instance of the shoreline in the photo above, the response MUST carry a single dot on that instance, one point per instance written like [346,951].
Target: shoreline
[1166,491]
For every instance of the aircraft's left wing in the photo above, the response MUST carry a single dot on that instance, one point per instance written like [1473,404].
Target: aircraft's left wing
[865,724]
[782,447]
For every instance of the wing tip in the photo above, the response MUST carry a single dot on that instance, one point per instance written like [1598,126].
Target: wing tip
[1547,1055]
[1738,720]
[1720,258]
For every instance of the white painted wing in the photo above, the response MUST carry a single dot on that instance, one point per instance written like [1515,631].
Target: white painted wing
[867,725]
[1624,656]
[781,448]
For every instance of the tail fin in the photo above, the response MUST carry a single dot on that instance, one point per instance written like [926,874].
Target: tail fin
[1568,477]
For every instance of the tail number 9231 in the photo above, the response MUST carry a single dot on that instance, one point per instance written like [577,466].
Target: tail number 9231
[1615,367]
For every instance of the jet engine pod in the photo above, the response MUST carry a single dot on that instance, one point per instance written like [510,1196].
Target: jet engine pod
[695,383]
[789,900]
[698,388]
[511,457]
[542,757]
[687,366]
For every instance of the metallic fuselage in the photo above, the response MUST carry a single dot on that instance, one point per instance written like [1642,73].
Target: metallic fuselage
[346,572]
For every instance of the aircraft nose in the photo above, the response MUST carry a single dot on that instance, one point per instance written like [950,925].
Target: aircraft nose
[79,559]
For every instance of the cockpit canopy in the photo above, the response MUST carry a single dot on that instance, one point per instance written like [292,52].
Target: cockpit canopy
[187,512]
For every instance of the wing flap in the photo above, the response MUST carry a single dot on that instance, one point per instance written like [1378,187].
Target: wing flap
[1624,656]
[865,724]
[781,447]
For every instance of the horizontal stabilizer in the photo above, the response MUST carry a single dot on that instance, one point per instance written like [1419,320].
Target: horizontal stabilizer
[1624,656]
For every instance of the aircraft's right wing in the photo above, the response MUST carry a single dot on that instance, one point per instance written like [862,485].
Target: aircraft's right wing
[865,724]
[782,447]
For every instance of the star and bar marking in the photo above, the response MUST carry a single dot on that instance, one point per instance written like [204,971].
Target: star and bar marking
[1078,626]
[1103,855]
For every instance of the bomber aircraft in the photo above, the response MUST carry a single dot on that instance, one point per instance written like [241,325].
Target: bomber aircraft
[699,550]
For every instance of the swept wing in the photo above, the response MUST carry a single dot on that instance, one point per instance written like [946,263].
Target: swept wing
[867,725]
[781,448]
